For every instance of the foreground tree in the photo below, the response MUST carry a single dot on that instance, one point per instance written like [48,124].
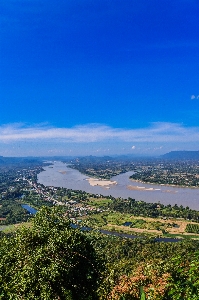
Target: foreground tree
[48,261]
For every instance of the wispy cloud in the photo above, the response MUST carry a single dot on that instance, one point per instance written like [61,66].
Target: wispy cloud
[194,97]
[156,132]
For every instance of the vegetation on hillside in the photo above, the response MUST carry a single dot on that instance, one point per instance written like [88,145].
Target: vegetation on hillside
[51,260]
[45,258]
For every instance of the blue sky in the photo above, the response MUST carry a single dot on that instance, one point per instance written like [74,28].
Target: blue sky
[80,77]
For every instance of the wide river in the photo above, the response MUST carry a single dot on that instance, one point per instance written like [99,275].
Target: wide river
[60,175]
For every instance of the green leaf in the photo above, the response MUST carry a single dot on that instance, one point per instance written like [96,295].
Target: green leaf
[142,294]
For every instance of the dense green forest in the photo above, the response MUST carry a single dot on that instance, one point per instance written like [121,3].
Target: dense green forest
[141,208]
[51,260]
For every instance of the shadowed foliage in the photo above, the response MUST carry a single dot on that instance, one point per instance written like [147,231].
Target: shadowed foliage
[48,261]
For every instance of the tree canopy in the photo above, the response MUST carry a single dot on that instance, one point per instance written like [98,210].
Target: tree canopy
[50,260]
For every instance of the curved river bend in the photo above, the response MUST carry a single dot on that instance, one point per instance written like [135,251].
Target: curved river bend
[59,175]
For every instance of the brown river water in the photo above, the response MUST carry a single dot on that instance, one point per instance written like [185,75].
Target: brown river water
[60,175]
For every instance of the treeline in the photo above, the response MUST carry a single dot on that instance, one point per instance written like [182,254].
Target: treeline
[192,228]
[149,170]
[12,212]
[11,200]
[154,210]
[172,172]
[130,205]
[102,167]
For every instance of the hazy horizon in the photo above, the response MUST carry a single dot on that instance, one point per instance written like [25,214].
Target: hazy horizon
[130,155]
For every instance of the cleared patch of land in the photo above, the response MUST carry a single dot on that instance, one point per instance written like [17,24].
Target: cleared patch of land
[124,222]
[178,227]
[14,227]
[137,230]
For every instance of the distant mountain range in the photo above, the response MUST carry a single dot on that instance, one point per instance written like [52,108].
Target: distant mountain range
[182,155]
[13,161]
[173,155]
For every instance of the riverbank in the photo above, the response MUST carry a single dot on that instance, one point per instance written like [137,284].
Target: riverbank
[164,184]
[73,179]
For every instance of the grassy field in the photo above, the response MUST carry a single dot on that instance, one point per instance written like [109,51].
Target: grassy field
[99,202]
[14,227]
[115,221]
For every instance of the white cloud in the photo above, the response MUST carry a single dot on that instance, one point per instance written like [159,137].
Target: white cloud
[194,97]
[156,132]
[133,147]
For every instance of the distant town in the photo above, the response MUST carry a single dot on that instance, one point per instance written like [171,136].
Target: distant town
[19,186]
